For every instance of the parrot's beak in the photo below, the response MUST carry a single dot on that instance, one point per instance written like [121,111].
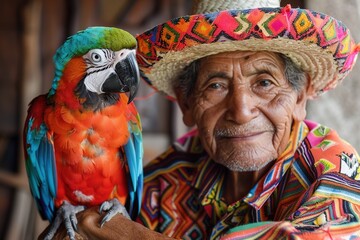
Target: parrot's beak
[126,79]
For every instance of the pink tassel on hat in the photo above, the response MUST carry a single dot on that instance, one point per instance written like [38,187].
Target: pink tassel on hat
[286,9]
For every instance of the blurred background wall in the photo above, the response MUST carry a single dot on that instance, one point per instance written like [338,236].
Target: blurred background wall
[30,32]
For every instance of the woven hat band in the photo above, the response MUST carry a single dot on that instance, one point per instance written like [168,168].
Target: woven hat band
[208,6]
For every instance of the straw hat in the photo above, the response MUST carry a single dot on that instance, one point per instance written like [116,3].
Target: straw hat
[317,43]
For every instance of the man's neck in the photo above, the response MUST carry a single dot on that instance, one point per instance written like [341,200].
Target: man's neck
[238,184]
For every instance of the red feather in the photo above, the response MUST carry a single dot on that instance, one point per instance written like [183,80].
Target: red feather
[75,157]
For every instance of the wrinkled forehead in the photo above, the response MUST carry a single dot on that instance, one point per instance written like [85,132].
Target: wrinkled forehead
[244,54]
[242,57]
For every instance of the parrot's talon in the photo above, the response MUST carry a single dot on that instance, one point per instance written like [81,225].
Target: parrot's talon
[67,214]
[112,207]
[105,206]
[102,223]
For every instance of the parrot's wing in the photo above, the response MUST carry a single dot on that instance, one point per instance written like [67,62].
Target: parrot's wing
[134,155]
[40,158]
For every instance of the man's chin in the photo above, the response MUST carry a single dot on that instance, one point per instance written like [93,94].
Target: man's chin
[238,168]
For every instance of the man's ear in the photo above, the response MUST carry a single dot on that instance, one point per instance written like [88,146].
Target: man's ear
[183,102]
[299,113]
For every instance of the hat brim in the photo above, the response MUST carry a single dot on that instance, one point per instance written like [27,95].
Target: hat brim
[317,43]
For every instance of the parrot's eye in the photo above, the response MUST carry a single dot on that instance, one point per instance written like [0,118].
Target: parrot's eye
[98,56]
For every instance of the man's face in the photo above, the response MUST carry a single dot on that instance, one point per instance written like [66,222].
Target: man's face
[243,107]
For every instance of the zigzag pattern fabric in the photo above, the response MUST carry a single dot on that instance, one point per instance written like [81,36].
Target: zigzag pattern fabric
[312,187]
[315,41]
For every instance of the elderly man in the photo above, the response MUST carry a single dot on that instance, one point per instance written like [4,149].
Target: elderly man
[253,167]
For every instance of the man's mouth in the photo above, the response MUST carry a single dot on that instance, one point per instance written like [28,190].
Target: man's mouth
[242,136]
[242,132]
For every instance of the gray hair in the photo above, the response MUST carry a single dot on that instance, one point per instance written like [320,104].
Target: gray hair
[187,79]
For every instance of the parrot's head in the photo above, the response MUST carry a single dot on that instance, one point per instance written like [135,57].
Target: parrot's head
[100,63]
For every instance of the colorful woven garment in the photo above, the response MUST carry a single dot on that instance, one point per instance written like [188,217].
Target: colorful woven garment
[312,191]
[317,43]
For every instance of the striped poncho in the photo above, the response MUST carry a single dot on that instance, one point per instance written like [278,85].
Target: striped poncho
[311,192]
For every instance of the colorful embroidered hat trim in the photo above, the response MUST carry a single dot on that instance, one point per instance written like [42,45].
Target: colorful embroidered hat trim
[317,43]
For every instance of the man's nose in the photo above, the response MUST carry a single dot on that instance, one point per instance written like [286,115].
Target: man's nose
[242,105]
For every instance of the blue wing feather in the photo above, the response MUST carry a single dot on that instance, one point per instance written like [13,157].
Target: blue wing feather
[40,165]
[134,155]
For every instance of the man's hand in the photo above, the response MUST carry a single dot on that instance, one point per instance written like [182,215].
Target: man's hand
[119,227]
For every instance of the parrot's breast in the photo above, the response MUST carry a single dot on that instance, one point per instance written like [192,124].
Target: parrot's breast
[88,152]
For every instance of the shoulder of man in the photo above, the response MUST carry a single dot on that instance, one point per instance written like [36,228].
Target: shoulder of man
[327,152]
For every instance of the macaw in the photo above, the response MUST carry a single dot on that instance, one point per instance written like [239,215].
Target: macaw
[83,139]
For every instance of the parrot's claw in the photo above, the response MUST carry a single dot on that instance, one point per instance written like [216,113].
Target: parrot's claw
[112,207]
[66,214]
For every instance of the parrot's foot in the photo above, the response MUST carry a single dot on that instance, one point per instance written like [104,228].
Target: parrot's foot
[66,214]
[112,207]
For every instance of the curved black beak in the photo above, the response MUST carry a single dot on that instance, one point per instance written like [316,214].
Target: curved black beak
[126,79]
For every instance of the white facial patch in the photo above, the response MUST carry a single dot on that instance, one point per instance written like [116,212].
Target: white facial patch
[99,63]
[95,80]
[122,54]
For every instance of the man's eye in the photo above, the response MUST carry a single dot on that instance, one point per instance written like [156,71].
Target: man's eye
[215,86]
[265,83]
